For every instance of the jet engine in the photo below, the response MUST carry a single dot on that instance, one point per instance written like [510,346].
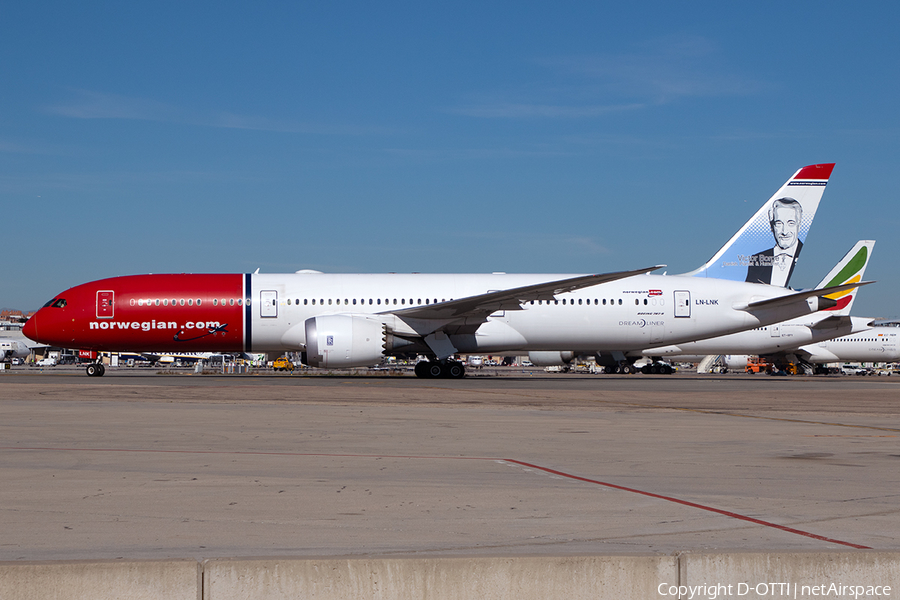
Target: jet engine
[340,341]
[736,362]
[551,359]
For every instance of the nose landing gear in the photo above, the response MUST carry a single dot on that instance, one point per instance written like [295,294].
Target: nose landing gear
[95,370]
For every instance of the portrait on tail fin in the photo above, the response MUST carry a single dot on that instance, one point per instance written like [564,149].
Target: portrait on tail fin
[751,254]
[775,265]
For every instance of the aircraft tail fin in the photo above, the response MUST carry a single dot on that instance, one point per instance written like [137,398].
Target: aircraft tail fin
[850,269]
[766,248]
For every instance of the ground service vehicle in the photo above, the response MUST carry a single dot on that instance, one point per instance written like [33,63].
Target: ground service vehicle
[283,364]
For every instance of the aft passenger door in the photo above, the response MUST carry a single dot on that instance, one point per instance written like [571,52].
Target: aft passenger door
[682,304]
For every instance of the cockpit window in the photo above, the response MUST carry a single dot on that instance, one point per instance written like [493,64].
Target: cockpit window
[56,303]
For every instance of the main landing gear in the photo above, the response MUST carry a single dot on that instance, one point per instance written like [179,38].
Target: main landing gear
[657,368]
[95,370]
[623,368]
[446,370]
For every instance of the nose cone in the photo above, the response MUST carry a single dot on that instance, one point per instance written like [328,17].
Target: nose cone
[29,329]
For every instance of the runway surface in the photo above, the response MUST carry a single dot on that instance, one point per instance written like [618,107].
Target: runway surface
[138,465]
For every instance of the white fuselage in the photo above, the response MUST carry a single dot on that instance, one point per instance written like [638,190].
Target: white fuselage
[630,314]
[879,344]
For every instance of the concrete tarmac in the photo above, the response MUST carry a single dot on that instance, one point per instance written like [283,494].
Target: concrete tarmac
[139,465]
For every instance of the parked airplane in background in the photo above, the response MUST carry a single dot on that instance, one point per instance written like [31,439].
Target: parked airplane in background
[877,344]
[781,337]
[881,343]
[340,320]
[13,348]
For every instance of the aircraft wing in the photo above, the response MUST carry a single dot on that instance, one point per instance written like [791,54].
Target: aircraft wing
[482,305]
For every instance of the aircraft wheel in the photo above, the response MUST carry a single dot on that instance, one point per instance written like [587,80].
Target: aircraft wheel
[421,369]
[95,370]
[610,369]
[455,370]
[626,369]
[645,369]
[435,370]
[666,370]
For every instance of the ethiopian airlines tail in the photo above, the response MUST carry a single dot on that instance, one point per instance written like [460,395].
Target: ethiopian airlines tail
[849,270]
[766,248]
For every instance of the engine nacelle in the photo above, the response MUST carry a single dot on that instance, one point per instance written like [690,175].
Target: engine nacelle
[551,359]
[735,362]
[339,341]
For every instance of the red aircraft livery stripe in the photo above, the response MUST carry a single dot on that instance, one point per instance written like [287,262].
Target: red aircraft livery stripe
[155,312]
[815,172]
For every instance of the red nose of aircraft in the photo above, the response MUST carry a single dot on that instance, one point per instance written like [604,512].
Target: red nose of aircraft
[29,329]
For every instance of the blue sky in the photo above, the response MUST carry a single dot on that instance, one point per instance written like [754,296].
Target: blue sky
[470,137]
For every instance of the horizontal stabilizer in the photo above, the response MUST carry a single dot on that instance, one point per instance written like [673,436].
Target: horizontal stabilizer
[831,322]
[792,298]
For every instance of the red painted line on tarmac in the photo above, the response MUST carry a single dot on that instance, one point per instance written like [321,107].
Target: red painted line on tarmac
[691,504]
[614,486]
